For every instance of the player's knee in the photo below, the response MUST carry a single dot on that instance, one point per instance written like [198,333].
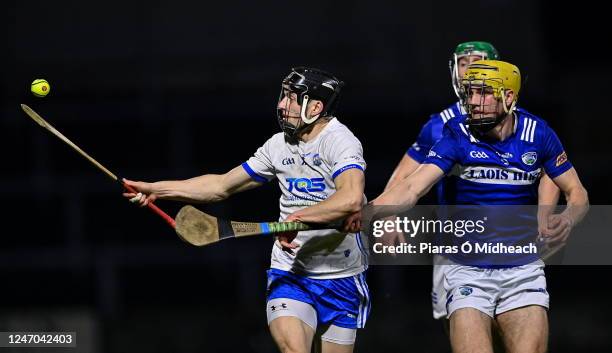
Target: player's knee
[526,349]
[291,347]
[539,345]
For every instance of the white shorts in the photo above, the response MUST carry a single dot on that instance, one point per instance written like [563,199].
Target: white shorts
[494,291]
[438,293]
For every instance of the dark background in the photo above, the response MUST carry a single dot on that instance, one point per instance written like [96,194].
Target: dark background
[176,89]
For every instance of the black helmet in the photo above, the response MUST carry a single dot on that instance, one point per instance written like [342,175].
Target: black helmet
[310,83]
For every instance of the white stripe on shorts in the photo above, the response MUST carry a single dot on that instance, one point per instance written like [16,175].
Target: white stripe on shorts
[369,302]
[364,302]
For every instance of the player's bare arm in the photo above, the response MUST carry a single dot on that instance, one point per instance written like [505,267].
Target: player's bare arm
[347,199]
[548,191]
[202,189]
[406,193]
[406,166]
[548,197]
[411,189]
[577,206]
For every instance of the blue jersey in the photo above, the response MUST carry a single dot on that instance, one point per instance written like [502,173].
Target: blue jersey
[498,172]
[430,133]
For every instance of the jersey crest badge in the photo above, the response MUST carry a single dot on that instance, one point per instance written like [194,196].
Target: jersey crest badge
[465,291]
[529,158]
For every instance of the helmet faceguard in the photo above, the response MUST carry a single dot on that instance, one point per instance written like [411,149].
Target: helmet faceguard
[484,50]
[489,77]
[307,84]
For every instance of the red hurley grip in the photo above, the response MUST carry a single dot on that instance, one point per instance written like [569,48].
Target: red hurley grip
[154,208]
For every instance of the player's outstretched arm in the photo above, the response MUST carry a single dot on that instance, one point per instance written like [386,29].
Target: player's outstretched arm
[406,166]
[577,205]
[575,195]
[415,155]
[407,192]
[548,191]
[347,199]
[548,197]
[202,189]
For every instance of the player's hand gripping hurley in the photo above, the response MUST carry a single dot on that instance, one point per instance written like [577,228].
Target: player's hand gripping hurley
[191,224]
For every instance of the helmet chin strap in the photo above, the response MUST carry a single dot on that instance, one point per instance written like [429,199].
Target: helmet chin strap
[512,105]
[305,119]
[502,94]
[455,79]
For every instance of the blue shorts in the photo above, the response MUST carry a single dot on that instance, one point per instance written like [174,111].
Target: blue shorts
[344,302]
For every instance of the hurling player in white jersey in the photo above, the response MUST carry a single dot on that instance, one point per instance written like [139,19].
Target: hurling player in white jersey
[548,193]
[494,156]
[316,282]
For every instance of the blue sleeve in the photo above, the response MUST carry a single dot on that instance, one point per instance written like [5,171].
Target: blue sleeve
[446,152]
[418,151]
[555,159]
[247,168]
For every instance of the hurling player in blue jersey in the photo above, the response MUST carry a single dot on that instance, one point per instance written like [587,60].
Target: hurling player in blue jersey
[548,193]
[464,54]
[495,156]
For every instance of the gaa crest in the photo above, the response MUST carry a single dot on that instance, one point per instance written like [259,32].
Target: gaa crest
[529,158]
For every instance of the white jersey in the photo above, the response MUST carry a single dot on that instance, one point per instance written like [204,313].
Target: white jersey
[306,174]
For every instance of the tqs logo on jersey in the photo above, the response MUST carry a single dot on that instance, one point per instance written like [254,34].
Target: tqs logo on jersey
[478,154]
[529,158]
[306,185]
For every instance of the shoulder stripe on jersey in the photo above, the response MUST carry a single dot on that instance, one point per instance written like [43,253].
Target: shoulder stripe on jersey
[450,112]
[472,138]
[525,124]
[444,116]
[528,131]
[532,130]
